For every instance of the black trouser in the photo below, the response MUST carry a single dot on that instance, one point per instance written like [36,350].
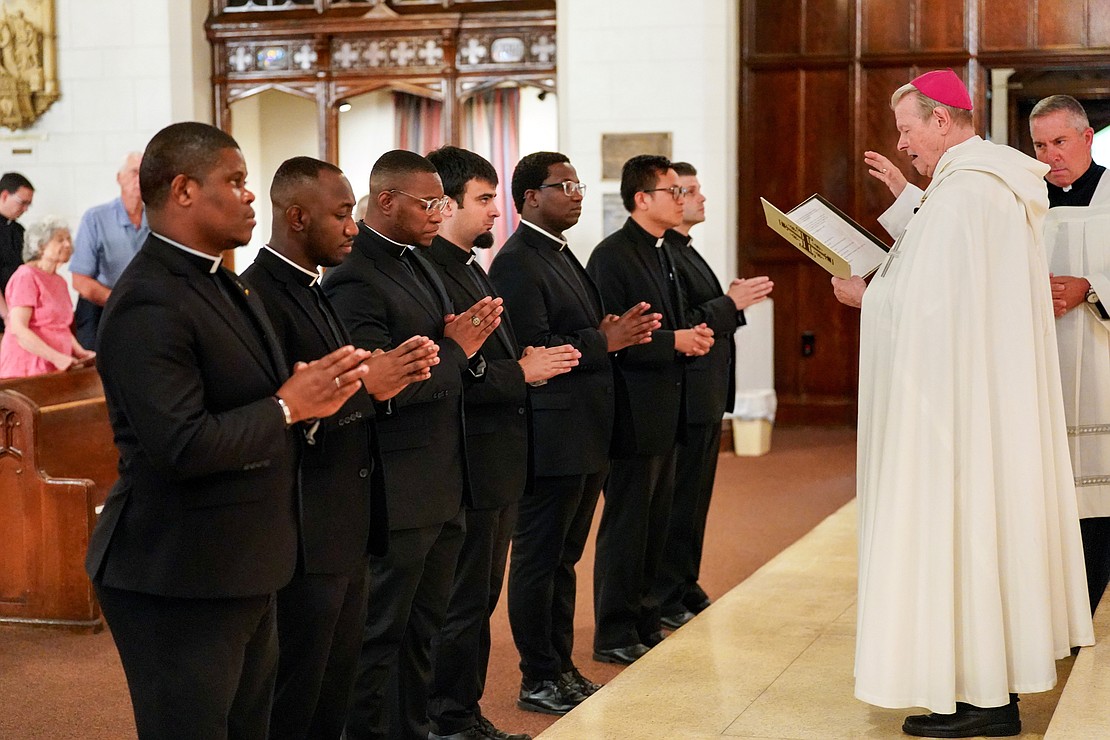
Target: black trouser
[551,531]
[460,652]
[695,471]
[407,600]
[86,321]
[1096,555]
[320,617]
[629,548]
[195,667]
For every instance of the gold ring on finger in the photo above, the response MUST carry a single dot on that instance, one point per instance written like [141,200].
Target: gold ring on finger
[338,384]
[475,320]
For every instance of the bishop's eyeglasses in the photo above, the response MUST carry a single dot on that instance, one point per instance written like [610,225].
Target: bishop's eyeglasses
[677,191]
[569,187]
[431,205]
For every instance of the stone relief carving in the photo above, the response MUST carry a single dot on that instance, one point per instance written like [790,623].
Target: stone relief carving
[28,67]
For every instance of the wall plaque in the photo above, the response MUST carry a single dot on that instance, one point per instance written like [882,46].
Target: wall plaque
[28,61]
[616,149]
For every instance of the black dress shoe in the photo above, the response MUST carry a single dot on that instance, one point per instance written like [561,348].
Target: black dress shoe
[696,602]
[470,733]
[547,697]
[575,680]
[653,639]
[489,731]
[967,721]
[626,655]
[674,621]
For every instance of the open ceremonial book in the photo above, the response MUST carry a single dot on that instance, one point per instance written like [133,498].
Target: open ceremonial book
[828,237]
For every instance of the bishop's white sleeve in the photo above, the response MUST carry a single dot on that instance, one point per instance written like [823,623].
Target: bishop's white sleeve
[897,217]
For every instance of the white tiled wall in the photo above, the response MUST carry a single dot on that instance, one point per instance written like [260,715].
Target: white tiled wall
[127,68]
[653,66]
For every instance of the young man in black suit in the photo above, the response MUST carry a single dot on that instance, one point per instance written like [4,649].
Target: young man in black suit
[385,292]
[341,497]
[496,449]
[553,302]
[200,530]
[629,266]
[710,391]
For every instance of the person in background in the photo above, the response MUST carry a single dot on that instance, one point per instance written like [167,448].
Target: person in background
[39,337]
[108,237]
[16,194]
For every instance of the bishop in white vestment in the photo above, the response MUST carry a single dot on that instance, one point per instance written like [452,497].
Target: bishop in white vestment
[971,579]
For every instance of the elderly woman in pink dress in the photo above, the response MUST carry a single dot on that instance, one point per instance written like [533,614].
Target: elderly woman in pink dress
[39,337]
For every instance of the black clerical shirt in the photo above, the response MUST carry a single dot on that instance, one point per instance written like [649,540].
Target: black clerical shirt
[1080,192]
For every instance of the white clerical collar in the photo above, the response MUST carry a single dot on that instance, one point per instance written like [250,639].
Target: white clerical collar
[216,261]
[471,258]
[659,243]
[314,275]
[562,242]
[392,241]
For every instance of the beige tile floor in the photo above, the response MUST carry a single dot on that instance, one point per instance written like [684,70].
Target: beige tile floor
[773,659]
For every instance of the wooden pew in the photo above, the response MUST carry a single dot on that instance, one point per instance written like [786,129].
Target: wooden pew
[57,464]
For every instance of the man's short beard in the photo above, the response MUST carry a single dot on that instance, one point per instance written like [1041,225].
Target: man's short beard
[484,240]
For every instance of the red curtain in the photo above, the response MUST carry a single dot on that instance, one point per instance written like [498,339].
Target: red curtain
[491,127]
[418,123]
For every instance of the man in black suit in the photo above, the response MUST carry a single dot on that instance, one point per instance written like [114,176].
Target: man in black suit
[710,391]
[200,530]
[628,266]
[497,449]
[16,194]
[553,302]
[385,292]
[341,502]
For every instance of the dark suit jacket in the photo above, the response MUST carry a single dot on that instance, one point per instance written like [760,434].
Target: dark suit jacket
[342,490]
[204,503]
[625,266]
[572,414]
[496,406]
[711,378]
[421,437]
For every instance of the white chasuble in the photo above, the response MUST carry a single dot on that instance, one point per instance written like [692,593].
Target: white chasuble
[971,579]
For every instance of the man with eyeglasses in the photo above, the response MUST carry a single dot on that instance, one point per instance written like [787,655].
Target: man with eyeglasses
[553,301]
[497,450]
[386,292]
[631,266]
[16,194]
[710,391]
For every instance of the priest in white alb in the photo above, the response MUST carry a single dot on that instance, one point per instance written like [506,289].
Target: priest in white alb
[1077,240]
[971,581]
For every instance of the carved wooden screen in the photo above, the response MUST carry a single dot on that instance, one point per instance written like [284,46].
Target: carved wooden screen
[332,50]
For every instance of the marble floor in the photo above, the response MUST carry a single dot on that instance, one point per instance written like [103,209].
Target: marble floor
[773,659]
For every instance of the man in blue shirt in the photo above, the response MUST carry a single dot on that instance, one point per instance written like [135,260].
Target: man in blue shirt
[109,236]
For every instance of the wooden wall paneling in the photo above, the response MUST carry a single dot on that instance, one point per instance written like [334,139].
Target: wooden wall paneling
[827,28]
[942,25]
[774,26]
[1061,24]
[1098,23]
[1005,24]
[770,158]
[830,167]
[827,127]
[887,27]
